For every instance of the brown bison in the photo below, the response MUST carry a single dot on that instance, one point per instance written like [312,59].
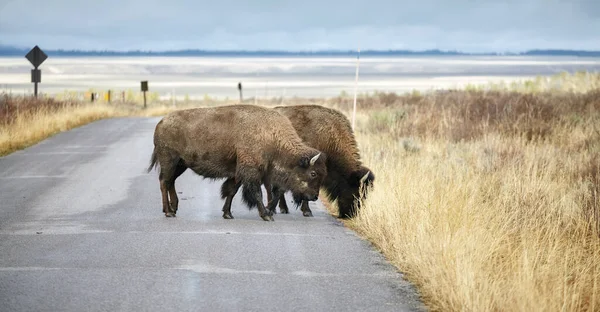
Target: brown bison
[247,144]
[329,131]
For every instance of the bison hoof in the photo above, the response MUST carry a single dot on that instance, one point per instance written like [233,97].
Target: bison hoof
[227,216]
[285,211]
[307,213]
[169,214]
[267,218]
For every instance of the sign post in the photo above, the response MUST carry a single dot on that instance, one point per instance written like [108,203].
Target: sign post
[240,88]
[144,89]
[36,57]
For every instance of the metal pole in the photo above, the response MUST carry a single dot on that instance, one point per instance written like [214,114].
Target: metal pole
[355,87]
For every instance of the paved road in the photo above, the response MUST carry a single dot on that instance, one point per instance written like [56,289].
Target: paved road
[82,229]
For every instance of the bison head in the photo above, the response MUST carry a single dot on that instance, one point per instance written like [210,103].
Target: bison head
[358,184]
[308,174]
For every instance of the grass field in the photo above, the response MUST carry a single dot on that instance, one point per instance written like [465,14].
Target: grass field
[486,200]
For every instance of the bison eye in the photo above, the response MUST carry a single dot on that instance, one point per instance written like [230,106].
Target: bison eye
[313,174]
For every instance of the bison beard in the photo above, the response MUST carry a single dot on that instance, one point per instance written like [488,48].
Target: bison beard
[252,195]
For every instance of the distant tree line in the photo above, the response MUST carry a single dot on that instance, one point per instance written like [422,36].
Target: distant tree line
[13,51]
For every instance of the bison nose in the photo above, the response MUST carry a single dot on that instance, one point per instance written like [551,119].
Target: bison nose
[314,198]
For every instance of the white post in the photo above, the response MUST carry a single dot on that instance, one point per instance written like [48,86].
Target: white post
[355,87]
[256,90]
[283,96]
[256,95]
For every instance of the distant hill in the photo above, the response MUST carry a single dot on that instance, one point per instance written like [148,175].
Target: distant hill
[13,51]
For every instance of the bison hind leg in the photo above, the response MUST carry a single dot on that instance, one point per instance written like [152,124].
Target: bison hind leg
[174,200]
[170,169]
[228,190]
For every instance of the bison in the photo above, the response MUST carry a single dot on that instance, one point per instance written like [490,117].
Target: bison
[246,144]
[329,131]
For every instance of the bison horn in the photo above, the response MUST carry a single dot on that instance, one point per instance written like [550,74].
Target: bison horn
[314,159]
[364,178]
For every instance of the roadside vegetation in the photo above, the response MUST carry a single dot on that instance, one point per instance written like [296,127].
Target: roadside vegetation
[25,121]
[487,199]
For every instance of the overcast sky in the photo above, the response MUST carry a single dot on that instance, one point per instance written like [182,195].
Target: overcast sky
[465,25]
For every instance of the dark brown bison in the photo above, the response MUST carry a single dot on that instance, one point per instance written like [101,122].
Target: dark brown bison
[329,131]
[247,144]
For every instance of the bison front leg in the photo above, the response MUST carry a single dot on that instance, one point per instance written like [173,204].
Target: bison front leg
[283,207]
[252,195]
[268,188]
[273,196]
[305,209]
[276,193]
[250,175]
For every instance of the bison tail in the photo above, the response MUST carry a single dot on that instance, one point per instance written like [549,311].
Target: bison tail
[153,162]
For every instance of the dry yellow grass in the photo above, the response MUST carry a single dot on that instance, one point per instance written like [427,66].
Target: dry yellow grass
[493,218]
[32,126]
[478,239]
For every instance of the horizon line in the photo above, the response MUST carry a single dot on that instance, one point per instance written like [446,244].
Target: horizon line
[8,49]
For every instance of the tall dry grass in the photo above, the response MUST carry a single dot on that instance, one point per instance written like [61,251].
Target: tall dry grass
[488,201]
[25,121]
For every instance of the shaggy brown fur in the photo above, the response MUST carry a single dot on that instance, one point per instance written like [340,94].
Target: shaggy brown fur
[329,131]
[247,144]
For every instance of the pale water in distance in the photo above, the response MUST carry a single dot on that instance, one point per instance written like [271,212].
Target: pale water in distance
[278,76]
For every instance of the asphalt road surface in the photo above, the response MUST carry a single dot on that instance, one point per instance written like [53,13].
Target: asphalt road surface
[82,229]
